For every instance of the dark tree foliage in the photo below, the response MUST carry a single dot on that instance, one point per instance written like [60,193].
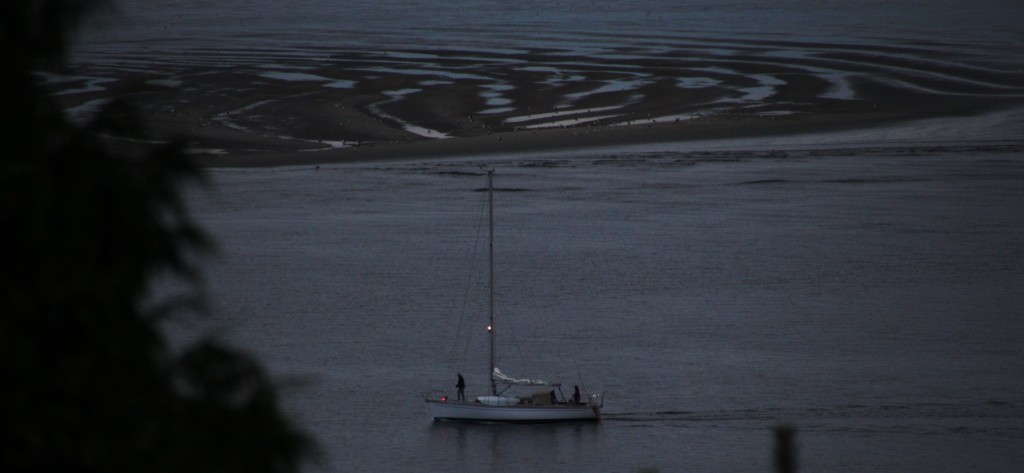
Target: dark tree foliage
[86,224]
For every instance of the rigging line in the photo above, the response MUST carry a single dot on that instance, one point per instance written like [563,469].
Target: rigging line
[580,375]
[510,329]
[509,332]
[508,326]
[461,361]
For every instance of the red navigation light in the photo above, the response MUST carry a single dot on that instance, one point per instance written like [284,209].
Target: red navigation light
[444,398]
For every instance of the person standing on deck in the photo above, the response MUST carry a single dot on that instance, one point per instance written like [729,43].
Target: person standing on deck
[462,388]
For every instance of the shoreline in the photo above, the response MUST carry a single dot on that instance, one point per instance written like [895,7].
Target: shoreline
[569,139]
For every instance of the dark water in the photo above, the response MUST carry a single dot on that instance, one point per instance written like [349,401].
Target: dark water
[869,296]
[943,47]
[210,28]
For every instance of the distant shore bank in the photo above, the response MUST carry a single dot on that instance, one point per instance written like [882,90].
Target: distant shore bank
[554,140]
[361,106]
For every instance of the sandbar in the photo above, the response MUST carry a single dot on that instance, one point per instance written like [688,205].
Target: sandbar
[351,106]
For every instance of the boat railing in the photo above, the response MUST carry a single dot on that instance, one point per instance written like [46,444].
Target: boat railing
[436,395]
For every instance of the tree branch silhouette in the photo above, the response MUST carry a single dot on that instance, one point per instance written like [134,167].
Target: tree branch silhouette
[86,225]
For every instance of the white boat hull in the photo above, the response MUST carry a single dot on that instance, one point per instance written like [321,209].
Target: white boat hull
[478,412]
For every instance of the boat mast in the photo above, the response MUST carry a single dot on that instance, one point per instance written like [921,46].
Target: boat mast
[490,270]
[491,273]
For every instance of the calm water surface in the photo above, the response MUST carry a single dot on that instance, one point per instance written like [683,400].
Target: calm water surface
[870,297]
[980,31]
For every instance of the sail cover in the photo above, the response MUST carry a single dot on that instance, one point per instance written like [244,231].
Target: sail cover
[501,377]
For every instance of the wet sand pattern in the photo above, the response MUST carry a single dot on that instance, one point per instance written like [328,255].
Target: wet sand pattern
[252,102]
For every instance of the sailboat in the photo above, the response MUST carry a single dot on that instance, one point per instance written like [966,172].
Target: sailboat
[546,403]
